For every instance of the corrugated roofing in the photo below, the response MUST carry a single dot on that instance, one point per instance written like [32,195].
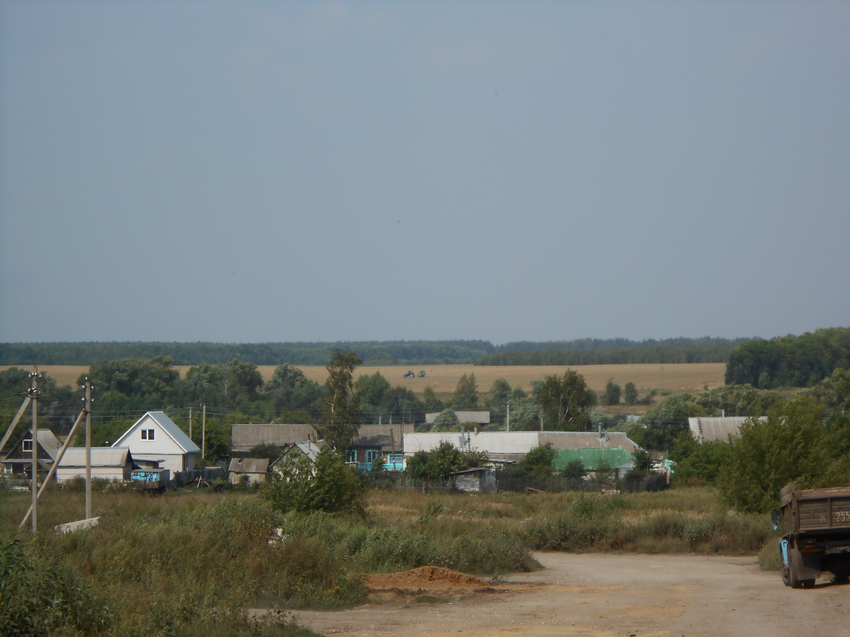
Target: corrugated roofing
[591,458]
[716,429]
[517,442]
[248,465]
[169,427]
[100,457]
[49,442]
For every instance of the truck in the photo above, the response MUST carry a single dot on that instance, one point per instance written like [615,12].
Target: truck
[814,526]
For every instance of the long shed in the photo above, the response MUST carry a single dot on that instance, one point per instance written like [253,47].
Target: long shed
[108,463]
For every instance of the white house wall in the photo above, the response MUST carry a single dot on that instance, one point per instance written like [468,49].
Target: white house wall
[65,474]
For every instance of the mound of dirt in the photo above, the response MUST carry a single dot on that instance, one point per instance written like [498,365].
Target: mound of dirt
[425,579]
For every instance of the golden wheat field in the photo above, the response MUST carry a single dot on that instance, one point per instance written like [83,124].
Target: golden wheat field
[443,378]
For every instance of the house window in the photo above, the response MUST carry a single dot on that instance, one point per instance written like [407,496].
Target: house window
[371,454]
[351,455]
[26,445]
[147,434]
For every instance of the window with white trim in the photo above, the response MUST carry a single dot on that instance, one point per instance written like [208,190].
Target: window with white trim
[148,434]
[26,445]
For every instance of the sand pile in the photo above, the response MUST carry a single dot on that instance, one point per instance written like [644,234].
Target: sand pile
[425,579]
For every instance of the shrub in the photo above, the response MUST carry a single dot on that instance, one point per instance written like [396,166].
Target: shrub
[39,597]
[330,485]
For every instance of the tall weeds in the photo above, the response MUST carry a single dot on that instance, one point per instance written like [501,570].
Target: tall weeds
[194,562]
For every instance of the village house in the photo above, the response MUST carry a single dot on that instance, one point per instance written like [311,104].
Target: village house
[155,440]
[372,441]
[303,449]
[18,461]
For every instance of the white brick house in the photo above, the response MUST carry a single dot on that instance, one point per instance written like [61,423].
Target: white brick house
[155,436]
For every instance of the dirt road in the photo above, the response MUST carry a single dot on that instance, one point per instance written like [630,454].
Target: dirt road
[605,595]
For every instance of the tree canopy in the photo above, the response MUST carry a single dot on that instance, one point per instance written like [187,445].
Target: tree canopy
[566,402]
[341,422]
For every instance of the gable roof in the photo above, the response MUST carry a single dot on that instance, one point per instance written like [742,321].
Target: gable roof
[49,442]
[166,425]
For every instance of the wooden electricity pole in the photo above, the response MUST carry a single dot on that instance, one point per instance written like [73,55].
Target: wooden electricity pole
[204,433]
[88,448]
[34,396]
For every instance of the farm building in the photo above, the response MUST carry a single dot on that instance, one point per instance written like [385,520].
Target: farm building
[478,417]
[512,446]
[716,429]
[107,463]
[155,438]
[19,459]
[250,470]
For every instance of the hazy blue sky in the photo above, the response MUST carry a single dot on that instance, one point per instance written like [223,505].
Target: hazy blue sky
[300,171]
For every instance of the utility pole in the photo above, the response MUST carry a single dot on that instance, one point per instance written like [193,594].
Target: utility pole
[509,415]
[204,434]
[190,423]
[34,396]
[88,448]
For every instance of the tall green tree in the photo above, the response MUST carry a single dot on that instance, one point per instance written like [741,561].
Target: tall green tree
[537,463]
[430,400]
[630,393]
[791,444]
[663,422]
[612,393]
[466,393]
[566,401]
[371,390]
[289,391]
[342,414]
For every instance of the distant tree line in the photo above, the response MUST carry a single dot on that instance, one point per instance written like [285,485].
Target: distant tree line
[789,361]
[614,352]
[370,352]
[575,352]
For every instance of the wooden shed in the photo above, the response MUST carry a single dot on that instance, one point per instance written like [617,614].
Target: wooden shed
[252,470]
[478,480]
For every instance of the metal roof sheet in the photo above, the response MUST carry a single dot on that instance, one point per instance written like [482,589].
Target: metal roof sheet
[168,426]
[249,465]
[590,458]
[100,457]
[716,429]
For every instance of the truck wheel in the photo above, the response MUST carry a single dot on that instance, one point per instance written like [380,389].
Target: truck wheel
[794,562]
[786,575]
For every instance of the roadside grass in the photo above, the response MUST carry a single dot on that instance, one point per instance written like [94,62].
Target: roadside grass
[194,561]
